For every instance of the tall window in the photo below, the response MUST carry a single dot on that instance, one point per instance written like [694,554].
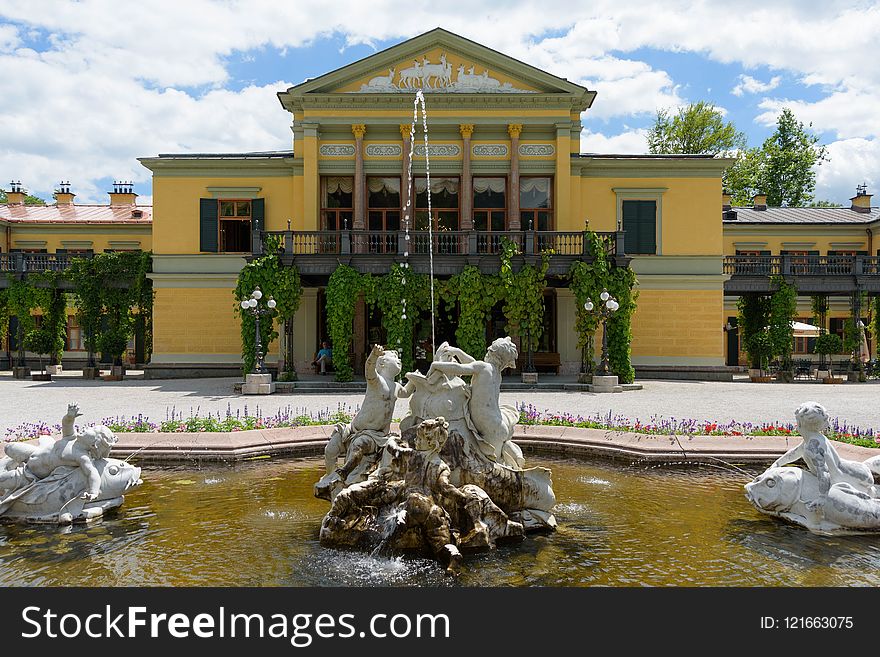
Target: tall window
[443,215]
[336,202]
[640,224]
[490,204]
[535,203]
[235,226]
[383,213]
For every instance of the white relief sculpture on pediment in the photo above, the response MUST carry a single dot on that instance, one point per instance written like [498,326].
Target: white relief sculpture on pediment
[440,76]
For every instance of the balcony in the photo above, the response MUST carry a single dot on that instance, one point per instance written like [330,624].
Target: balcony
[834,274]
[318,253]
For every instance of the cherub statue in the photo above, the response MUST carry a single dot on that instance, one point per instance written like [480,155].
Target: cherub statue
[29,463]
[494,423]
[368,431]
[64,480]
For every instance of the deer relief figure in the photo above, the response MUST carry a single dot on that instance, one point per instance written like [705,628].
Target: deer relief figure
[382,81]
[411,77]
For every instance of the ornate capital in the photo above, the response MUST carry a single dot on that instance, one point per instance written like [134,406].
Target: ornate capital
[514,129]
[466,130]
[405,131]
[359,130]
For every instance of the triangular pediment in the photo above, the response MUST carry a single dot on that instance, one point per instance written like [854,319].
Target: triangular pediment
[438,62]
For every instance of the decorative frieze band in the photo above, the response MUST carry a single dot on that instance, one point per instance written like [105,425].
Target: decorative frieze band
[438,150]
[490,150]
[337,150]
[384,150]
[537,150]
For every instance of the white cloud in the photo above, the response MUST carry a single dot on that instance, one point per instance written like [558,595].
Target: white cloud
[852,162]
[631,142]
[115,85]
[749,85]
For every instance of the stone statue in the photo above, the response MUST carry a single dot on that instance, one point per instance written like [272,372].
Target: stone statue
[64,480]
[415,506]
[452,481]
[493,423]
[831,495]
[368,431]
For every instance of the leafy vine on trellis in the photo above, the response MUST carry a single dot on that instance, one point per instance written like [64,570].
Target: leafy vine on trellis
[475,294]
[274,279]
[523,295]
[343,289]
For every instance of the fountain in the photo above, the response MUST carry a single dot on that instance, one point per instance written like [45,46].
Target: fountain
[66,480]
[452,480]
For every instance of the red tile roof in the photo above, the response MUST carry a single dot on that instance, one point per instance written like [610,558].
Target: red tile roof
[77,214]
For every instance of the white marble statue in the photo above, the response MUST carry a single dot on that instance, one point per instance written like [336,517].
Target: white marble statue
[64,480]
[493,422]
[831,495]
[360,441]
[468,491]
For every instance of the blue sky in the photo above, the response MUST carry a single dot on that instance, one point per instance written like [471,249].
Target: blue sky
[89,88]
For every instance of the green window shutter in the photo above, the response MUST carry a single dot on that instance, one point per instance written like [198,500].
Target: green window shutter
[640,224]
[631,226]
[208,228]
[258,213]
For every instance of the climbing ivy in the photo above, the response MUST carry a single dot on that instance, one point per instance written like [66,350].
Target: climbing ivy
[754,314]
[4,313]
[523,295]
[621,285]
[281,283]
[386,292]
[875,321]
[783,308]
[475,294]
[343,289]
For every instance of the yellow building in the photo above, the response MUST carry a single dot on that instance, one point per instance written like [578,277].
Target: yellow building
[40,237]
[829,253]
[504,156]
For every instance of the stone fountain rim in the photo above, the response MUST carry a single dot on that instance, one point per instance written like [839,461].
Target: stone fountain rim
[576,442]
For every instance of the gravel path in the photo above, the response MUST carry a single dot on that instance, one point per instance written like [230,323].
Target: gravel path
[28,401]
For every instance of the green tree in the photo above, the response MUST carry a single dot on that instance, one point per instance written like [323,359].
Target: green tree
[698,128]
[28,199]
[783,167]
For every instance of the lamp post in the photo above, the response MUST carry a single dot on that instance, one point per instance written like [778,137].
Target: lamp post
[251,305]
[608,306]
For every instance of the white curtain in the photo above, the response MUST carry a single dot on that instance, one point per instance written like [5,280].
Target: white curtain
[494,185]
[335,184]
[437,185]
[390,185]
[529,185]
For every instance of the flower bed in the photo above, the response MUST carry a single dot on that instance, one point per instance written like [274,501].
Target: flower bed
[243,420]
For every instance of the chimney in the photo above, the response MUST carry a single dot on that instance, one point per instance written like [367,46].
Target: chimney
[122,194]
[63,195]
[760,201]
[861,202]
[725,200]
[16,193]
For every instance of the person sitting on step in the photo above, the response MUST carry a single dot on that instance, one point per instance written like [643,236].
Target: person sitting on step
[323,358]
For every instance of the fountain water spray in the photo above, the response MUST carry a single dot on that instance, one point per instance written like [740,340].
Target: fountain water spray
[419,100]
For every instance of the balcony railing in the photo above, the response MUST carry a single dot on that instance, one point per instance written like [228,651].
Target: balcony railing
[798,265]
[23,263]
[453,243]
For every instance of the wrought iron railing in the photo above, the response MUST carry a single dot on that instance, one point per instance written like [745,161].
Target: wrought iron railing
[801,265]
[451,242]
[22,263]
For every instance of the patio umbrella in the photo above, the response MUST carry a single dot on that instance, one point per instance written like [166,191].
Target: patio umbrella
[802,330]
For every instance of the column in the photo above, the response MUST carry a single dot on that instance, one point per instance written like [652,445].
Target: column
[513,219]
[311,179]
[359,222]
[405,129]
[562,218]
[467,194]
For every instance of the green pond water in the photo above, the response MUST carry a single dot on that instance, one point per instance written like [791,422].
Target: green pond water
[257,525]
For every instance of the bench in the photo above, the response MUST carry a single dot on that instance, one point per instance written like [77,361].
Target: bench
[544,361]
